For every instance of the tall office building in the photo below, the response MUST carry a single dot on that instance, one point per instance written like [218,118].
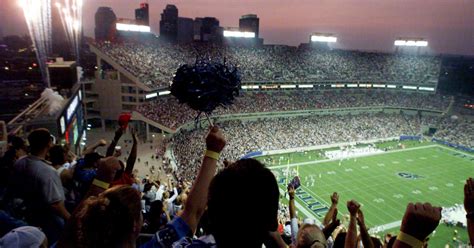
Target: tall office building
[210,30]
[249,23]
[142,15]
[105,24]
[185,30]
[169,24]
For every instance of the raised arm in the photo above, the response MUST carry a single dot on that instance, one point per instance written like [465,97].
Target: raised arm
[111,148]
[293,217]
[91,149]
[364,234]
[197,199]
[291,205]
[133,154]
[175,195]
[330,213]
[351,236]
[329,228]
[469,206]
[418,222]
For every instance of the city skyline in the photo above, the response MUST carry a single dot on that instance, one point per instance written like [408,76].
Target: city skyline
[359,25]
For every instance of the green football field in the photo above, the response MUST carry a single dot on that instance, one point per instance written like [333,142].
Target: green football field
[384,183]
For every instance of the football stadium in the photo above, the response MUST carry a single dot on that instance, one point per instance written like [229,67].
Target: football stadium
[131,125]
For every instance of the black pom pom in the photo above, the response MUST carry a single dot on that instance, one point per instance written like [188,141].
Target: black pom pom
[206,85]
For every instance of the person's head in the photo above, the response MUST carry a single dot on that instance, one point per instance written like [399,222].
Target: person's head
[112,219]
[154,215]
[40,141]
[147,187]
[57,155]
[91,160]
[18,145]
[25,236]
[310,236]
[243,196]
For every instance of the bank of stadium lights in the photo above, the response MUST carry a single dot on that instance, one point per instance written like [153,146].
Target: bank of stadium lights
[132,28]
[411,43]
[323,38]
[238,34]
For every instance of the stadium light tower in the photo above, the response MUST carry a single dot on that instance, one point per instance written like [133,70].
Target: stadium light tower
[326,38]
[322,40]
[417,43]
[411,42]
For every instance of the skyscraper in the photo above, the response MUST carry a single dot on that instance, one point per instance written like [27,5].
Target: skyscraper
[210,30]
[169,24]
[185,30]
[105,24]
[141,15]
[249,23]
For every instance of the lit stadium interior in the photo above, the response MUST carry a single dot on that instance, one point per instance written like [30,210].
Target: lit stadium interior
[235,124]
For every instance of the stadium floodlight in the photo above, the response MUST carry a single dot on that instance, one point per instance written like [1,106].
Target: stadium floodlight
[426,88]
[238,34]
[323,38]
[162,93]
[152,95]
[408,87]
[133,28]
[411,42]
[249,87]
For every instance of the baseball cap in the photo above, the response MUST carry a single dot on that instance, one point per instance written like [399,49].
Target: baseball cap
[23,237]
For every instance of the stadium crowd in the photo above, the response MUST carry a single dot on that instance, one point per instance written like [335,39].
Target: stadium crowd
[52,198]
[170,113]
[457,132]
[155,64]
[296,132]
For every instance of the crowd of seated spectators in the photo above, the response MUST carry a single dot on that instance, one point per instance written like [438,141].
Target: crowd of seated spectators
[168,112]
[455,131]
[155,64]
[297,132]
[53,198]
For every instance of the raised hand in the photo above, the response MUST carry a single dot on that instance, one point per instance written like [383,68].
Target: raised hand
[420,220]
[353,207]
[215,140]
[334,198]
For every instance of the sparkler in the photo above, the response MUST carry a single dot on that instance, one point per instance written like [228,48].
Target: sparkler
[38,19]
[70,12]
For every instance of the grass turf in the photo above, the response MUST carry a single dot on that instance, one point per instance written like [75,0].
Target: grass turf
[432,173]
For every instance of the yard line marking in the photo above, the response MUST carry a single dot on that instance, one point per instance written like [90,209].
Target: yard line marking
[387,226]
